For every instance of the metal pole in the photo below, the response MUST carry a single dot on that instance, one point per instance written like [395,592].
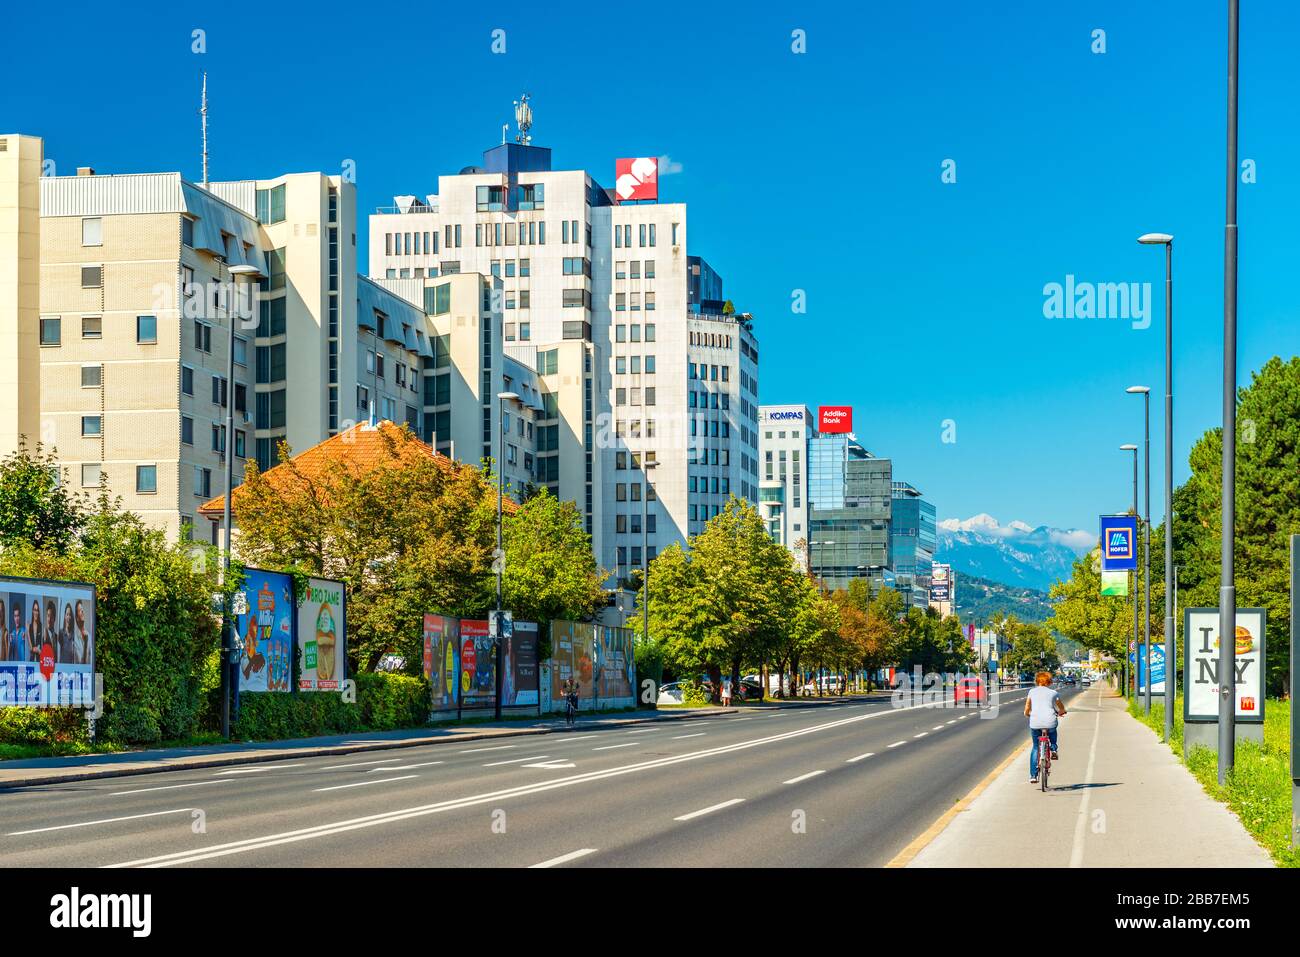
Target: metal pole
[1136,572]
[1146,521]
[645,557]
[1171,658]
[227,679]
[500,562]
[1227,586]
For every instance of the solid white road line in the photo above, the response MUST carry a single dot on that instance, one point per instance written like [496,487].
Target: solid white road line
[501,747]
[697,734]
[490,797]
[535,757]
[611,747]
[804,777]
[406,767]
[860,757]
[1080,825]
[565,858]
[898,744]
[168,787]
[709,810]
[106,820]
[358,764]
[360,784]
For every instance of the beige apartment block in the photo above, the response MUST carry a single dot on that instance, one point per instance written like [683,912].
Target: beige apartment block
[20,239]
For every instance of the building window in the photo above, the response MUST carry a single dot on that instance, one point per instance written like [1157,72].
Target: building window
[92,327]
[51,330]
[202,482]
[187,430]
[187,231]
[92,426]
[146,329]
[187,380]
[92,231]
[90,474]
[92,377]
[146,479]
[270,205]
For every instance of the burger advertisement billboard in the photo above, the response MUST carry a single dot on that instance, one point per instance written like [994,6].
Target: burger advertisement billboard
[322,636]
[1201,668]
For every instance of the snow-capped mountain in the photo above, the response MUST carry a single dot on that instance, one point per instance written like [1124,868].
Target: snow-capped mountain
[1013,554]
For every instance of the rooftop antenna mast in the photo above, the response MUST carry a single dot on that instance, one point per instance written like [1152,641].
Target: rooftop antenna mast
[203,112]
[524,120]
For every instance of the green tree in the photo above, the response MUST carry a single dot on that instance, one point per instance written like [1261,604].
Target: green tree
[37,506]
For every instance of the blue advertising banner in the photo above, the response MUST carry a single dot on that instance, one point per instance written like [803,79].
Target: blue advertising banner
[1118,543]
[264,613]
[1157,668]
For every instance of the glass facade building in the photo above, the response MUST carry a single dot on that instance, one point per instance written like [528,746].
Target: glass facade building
[913,538]
[849,506]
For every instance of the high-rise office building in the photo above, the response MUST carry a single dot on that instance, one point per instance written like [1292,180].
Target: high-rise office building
[849,504]
[645,392]
[913,538]
[784,435]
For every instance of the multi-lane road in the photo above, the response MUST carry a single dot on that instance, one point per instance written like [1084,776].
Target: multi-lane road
[842,784]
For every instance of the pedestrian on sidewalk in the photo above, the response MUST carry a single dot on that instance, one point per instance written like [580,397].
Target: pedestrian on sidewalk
[726,692]
[1044,709]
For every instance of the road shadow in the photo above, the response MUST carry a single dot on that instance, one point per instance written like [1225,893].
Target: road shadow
[1081,787]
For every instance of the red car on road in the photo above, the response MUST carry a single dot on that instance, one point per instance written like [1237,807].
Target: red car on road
[970,689]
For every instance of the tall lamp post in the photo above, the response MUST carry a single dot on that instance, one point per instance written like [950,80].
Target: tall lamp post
[1134,450]
[1227,582]
[227,648]
[1145,392]
[500,562]
[1171,661]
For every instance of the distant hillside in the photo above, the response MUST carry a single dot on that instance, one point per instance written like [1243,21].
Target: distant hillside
[1016,553]
[979,599]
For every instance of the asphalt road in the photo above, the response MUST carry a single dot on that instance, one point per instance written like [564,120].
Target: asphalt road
[840,785]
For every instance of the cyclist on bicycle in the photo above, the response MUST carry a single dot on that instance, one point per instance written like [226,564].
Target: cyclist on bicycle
[1043,708]
[570,689]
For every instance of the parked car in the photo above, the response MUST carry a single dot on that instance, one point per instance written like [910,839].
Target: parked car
[1087,682]
[670,693]
[970,689]
[830,684]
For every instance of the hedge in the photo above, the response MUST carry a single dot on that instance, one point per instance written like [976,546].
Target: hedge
[385,702]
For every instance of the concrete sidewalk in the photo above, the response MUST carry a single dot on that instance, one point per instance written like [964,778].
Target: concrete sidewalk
[1118,798]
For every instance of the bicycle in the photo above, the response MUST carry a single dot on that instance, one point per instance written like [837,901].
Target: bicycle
[571,710]
[1044,758]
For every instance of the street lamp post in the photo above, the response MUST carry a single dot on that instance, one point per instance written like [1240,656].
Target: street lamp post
[502,398]
[1146,527]
[1136,610]
[1227,582]
[1171,661]
[227,649]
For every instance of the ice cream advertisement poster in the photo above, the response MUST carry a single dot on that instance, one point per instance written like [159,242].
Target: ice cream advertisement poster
[264,624]
[1201,642]
[322,635]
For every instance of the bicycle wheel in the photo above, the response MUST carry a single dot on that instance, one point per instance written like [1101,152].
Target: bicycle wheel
[1044,766]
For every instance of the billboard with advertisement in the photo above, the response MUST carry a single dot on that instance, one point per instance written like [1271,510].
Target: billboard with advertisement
[636,178]
[940,583]
[263,622]
[1157,668]
[520,677]
[47,643]
[442,660]
[1201,664]
[615,664]
[478,675]
[322,636]
[835,418]
[1114,583]
[573,654]
[1118,543]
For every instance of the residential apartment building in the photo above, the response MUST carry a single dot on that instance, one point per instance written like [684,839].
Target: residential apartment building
[849,507]
[647,405]
[20,237]
[784,435]
[913,538]
[146,280]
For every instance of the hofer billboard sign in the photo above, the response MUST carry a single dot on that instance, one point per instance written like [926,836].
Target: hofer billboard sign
[835,418]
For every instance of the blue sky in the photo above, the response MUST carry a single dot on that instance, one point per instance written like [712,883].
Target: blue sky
[817,172]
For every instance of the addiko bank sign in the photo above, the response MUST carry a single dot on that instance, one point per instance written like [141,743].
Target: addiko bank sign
[835,418]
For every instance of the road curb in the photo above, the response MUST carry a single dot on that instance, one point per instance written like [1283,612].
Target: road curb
[905,857]
[200,762]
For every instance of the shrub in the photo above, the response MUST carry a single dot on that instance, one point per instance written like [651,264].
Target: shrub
[694,695]
[384,702]
[57,727]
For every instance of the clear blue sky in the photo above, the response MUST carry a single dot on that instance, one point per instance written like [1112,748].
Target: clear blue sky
[818,172]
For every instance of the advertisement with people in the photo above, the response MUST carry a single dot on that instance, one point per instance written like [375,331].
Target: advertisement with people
[47,643]
[441,660]
[615,663]
[322,636]
[521,671]
[264,610]
[477,665]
